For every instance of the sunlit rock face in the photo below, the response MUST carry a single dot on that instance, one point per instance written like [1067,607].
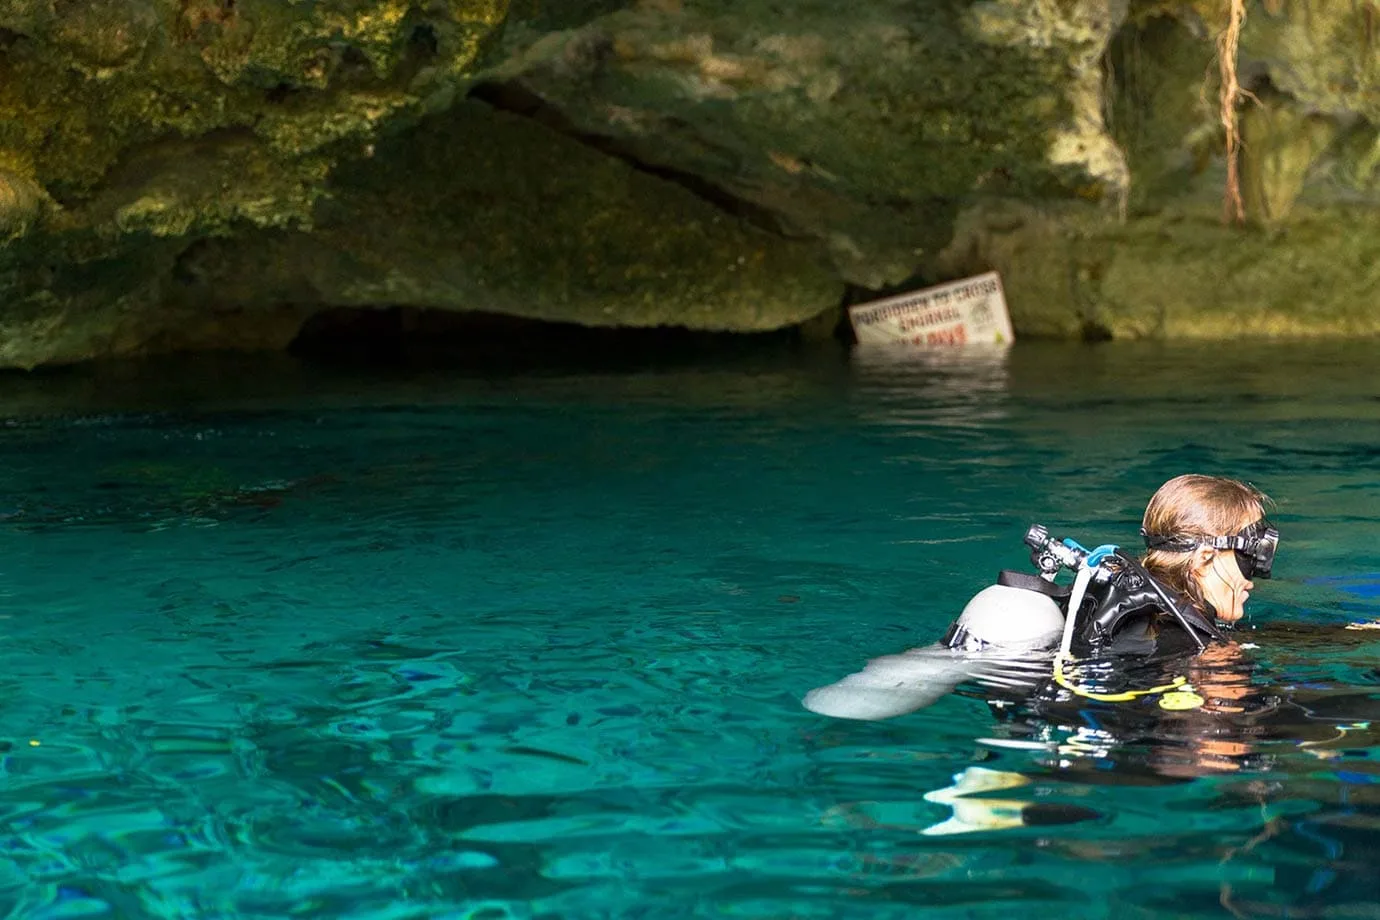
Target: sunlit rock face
[857,126]
[210,173]
[133,129]
[182,174]
[1170,266]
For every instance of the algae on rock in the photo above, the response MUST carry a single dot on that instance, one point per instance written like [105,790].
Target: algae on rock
[198,173]
[83,85]
[1280,145]
[1177,274]
[1159,109]
[1084,30]
[1326,55]
[480,209]
[124,125]
[21,204]
[865,137]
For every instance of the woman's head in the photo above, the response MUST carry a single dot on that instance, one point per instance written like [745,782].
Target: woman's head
[1185,512]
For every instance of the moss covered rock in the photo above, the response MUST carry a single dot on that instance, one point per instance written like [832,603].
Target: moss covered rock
[135,127]
[209,173]
[182,172]
[21,204]
[478,209]
[1176,274]
[860,126]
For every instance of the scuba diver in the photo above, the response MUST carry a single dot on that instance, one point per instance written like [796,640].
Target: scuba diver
[1207,539]
[1129,677]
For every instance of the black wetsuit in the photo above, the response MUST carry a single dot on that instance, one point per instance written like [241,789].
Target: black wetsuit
[1130,612]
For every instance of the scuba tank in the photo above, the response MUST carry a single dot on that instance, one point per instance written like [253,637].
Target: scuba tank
[1113,606]
[1111,593]
[1020,612]
[1006,617]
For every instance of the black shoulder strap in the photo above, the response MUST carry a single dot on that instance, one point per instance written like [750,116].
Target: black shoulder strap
[1010,578]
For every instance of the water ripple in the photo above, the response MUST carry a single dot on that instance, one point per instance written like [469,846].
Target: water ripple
[536,648]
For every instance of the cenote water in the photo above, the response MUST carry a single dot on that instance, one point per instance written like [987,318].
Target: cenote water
[294,642]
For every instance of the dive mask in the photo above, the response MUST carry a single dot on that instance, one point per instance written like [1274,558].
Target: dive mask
[1253,544]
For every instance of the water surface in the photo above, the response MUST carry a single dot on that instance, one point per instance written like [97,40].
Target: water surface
[286,641]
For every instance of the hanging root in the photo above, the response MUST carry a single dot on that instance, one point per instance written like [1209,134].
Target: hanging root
[1233,210]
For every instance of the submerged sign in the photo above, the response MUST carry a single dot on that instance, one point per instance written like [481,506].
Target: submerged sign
[967,312]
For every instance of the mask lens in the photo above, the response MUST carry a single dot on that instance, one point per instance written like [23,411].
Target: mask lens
[1258,556]
[1263,555]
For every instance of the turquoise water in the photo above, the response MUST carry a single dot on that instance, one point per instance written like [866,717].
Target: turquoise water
[284,642]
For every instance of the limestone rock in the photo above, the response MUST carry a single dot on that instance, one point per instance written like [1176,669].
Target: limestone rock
[205,173]
[857,126]
[1082,31]
[1069,273]
[1323,54]
[21,204]
[484,210]
[1280,145]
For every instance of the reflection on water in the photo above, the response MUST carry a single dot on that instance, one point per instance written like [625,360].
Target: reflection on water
[282,641]
[911,391]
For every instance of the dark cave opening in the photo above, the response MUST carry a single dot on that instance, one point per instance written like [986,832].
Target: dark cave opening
[413,336]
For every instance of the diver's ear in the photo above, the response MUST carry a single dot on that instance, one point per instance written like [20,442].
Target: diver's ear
[1202,559]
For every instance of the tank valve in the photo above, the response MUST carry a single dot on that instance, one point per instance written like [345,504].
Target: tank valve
[1050,555]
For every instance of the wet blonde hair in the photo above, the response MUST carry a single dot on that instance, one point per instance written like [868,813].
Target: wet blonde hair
[1194,505]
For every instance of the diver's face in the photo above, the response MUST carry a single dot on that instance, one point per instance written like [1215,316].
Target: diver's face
[1220,580]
